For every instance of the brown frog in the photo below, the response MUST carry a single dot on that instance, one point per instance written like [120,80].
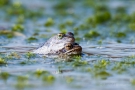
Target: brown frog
[60,44]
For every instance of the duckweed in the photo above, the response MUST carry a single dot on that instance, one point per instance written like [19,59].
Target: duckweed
[80,63]
[18,27]
[63,5]
[49,22]
[121,9]
[77,62]
[69,22]
[119,68]
[22,82]
[7,33]
[120,17]
[16,9]
[100,42]
[120,34]
[40,72]
[132,81]
[30,55]
[63,31]
[23,62]
[31,39]
[69,79]
[101,8]
[78,39]
[84,27]
[132,26]
[62,26]
[102,74]
[46,76]
[22,78]
[48,79]
[13,55]
[92,34]
[95,20]
[76,28]
[4,2]
[101,64]
[99,17]
[4,75]
[2,61]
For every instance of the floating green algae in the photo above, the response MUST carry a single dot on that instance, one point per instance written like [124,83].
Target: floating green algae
[96,24]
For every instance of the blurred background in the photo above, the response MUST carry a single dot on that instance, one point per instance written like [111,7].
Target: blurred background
[94,21]
[107,27]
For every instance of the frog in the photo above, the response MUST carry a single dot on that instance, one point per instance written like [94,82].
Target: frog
[60,44]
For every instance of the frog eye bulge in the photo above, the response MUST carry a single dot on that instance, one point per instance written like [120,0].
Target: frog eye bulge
[68,46]
[60,35]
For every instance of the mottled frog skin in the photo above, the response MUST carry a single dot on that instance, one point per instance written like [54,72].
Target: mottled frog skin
[60,44]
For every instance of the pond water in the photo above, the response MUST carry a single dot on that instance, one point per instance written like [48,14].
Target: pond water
[104,28]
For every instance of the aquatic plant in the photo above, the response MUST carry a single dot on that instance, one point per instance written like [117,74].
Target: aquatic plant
[18,27]
[92,34]
[2,61]
[46,76]
[4,75]
[31,39]
[4,2]
[49,22]
[22,82]
[13,55]
[30,55]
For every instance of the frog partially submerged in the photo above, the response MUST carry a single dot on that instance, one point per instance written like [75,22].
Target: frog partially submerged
[60,44]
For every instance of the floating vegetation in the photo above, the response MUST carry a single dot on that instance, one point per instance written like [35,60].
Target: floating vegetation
[7,33]
[101,7]
[92,34]
[49,22]
[132,26]
[121,9]
[63,31]
[4,75]
[30,55]
[120,34]
[101,74]
[132,81]
[22,82]
[96,24]
[18,27]
[11,34]
[69,22]
[31,39]
[77,62]
[48,79]
[46,76]
[4,2]
[16,9]
[2,61]
[13,55]
[69,79]
[99,17]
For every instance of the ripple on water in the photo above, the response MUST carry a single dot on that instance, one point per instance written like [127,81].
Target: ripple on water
[112,50]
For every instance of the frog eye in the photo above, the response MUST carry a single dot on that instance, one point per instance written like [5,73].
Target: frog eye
[68,46]
[60,35]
